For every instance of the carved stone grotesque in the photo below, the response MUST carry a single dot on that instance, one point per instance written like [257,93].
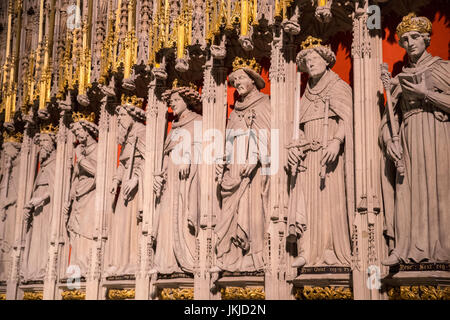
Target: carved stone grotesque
[417,201]
[122,245]
[79,210]
[177,186]
[243,178]
[38,210]
[321,201]
[8,196]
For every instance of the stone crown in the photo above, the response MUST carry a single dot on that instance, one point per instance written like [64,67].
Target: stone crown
[240,63]
[132,100]
[78,116]
[49,128]
[15,137]
[413,23]
[312,42]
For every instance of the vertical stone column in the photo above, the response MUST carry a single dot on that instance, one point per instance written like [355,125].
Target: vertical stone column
[367,229]
[155,133]
[214,95]
[27,173]
[282,86]
[105,150]
[62,181]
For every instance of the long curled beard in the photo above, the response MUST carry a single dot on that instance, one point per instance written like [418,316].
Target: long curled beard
[45,152]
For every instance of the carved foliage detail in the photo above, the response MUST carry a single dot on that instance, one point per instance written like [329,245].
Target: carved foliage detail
[419,293]
[324,293]
[238,293]
[177,294]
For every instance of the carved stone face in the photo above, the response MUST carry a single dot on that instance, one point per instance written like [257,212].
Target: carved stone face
[80,133]
[414,43]
[124,122]
[46,147]
[315,64]
[178,104]
[243,83]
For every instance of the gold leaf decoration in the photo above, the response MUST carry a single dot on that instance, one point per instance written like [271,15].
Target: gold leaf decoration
[239,293]
[2,296]
[73,295]
[30,295]
[121,294]
[324,293]
[177,294]
[419,293]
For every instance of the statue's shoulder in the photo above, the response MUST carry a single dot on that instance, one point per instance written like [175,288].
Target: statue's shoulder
[339,86]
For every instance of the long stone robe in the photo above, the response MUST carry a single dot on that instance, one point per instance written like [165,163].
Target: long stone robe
[122,245]
[178,210]
[241,225]
[34,266]
[417,205]
[325,207]
[81,223]
[7,227]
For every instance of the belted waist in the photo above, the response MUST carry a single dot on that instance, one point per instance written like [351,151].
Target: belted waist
[420,109]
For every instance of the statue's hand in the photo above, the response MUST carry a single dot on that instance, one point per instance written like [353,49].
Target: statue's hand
[37,202]
[418,91]
[130,185]
[394,150]
[184,171]
[219,170]
[294,156]
[158,183]
[331,152]
[247,170]
[115,186]
[27,210]
[66,208]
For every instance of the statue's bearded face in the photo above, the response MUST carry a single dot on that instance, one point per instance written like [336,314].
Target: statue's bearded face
[243,83]
[46,147]
[80,133]
[315,64]
[414,43]
[124,122]
[178,104]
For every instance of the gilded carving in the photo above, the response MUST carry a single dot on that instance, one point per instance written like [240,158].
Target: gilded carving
[177,294]
[73,295]
[2,296]
[239,293]
[30,295]
[324,293]
[121,294]
[419,293]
